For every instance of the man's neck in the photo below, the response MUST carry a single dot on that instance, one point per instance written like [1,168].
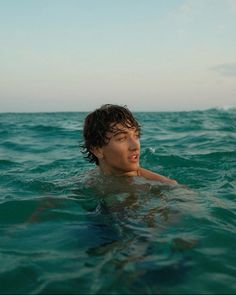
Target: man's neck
[118,173]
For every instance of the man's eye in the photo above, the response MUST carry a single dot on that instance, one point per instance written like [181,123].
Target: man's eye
[121,138]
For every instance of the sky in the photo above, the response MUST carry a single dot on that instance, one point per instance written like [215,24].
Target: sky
[151,55]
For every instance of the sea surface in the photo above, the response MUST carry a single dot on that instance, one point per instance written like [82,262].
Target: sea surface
[65,229]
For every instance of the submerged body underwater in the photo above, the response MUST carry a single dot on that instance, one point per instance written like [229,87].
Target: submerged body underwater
[67,229]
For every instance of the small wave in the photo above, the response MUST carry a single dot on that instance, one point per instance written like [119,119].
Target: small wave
[8,163]
[47,129]
[150,157]
[3,133]
[217,156]
[14,145]
[214,108]
[55,164]
[25,147]
[226,108]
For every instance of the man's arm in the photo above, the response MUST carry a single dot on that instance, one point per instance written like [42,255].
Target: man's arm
[154,176]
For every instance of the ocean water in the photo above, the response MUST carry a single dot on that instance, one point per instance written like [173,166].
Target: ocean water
[66,229]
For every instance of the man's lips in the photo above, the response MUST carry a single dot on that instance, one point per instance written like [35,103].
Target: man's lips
[133,157]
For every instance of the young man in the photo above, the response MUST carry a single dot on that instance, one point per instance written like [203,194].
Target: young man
[111,140]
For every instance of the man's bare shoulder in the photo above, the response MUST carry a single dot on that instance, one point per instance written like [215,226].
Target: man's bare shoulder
[155,176]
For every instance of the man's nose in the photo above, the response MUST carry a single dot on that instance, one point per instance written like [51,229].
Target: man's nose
[133,143]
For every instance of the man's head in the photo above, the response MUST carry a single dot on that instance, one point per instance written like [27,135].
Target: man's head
[103,131]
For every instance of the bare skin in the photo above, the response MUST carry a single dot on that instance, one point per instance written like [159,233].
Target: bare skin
[120,156]
[154,176]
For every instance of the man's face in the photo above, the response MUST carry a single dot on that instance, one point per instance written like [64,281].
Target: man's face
[121,155]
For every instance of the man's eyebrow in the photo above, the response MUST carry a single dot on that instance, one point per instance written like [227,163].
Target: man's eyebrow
[120,132]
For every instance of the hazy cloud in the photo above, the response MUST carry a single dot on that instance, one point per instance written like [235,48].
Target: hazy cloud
[227,69]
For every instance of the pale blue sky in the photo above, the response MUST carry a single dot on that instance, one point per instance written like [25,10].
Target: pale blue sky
[152,55]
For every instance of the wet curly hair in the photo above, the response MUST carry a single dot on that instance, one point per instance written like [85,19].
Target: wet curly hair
[101,121]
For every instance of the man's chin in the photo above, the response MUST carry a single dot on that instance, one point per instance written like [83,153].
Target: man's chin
[132,169]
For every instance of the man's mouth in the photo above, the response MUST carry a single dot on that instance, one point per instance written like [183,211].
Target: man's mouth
[134,157]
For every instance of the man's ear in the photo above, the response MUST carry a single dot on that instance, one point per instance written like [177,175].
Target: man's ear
[97,151]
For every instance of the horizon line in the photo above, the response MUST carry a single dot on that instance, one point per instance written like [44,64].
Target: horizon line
[225,108]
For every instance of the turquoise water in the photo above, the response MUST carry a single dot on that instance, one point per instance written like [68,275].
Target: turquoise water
[65,229]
